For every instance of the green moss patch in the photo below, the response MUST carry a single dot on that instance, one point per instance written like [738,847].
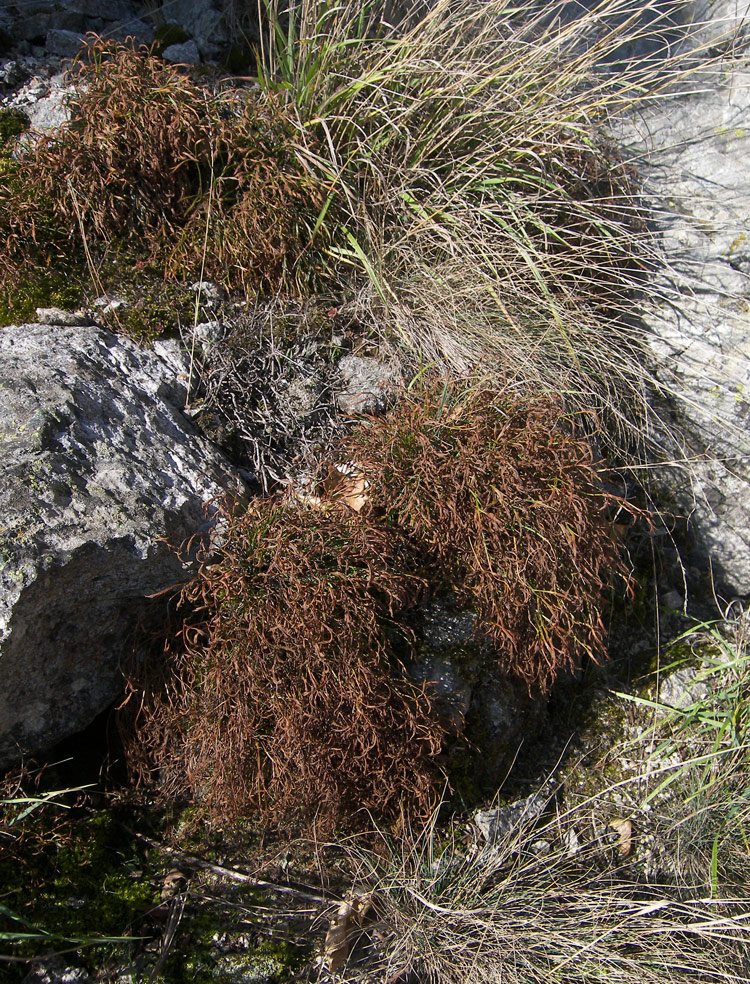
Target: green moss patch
[13,123]
[19,300]
[74,876]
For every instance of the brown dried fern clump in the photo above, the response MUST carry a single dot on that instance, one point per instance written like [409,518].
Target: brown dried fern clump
[282,695]
[187,178]
[507,502]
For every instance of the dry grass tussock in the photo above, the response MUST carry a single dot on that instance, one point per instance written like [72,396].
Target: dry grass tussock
[442,913]
[473,182]
[284,692]
[643,881]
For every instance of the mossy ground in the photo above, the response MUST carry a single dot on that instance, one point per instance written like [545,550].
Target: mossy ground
[13,123]
[152,306]
[90,885]
[75,874]
[18,304]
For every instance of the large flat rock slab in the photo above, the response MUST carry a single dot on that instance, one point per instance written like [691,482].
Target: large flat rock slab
[100,471]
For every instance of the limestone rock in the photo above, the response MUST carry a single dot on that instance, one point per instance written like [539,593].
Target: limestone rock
[43,101]
[494,712]
[112,10]
[182,54]
[98,464]
[203,22]
[132,27]
[56,316]
[367,385]
[11,74]
[693,150]
[505,822]
[65,43]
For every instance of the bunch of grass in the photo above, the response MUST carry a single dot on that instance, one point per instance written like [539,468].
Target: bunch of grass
[284,692]
[482,210]
[447,915]
[700,797]
[543,904]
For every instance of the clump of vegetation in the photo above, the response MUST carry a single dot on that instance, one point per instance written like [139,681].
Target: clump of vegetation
[446,165]
[278,695]
[529,909]
[505,498]
[700,756]
[483,212]
[282,693]
[187,178]
[266,387]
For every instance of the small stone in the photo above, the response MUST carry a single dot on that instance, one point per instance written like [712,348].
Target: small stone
[182,54]
[367,385]
[108,305]
[55,970]
[66,44]
[673,600]
[210,295]
[682,688]
[541,848]
[207,334]
[11,73]
[572,843]
[56,316]
[496,825]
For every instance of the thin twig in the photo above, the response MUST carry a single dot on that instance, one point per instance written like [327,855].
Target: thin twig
[297,891]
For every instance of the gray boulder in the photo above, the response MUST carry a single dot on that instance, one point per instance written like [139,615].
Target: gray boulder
[693,152]
[202,21]
[64,43]
[132,27]
[50,22]
[111,10]
[100,472]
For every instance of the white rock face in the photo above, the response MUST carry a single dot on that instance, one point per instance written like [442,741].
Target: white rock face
[97,464]
[693,153]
